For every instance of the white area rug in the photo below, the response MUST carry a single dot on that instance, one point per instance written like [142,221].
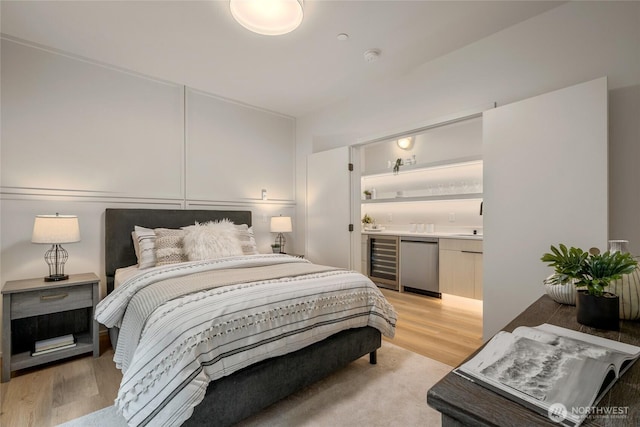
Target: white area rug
[391,393]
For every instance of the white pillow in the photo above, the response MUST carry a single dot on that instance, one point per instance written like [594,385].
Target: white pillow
[144,243]
[136,245]
[211,240]
[247,239]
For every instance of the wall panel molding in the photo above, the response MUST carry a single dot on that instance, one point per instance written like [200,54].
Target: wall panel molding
[240,203]
[234,151]
[75,125]
[95,197]
[79,136]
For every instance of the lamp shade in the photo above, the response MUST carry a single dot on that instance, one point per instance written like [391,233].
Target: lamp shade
[55,229]
[268,17]
[281,224]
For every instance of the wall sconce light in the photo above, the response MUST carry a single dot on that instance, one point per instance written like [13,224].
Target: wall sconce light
[55,230]
[281,224]
[405,143]
[268,17]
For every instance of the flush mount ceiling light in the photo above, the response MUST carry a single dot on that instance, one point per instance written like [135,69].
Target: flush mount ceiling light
[405,143]
[268,17]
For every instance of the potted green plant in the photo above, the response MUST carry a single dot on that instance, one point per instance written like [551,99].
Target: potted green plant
[367,194]
[591,272]
[275,248]
[367,221]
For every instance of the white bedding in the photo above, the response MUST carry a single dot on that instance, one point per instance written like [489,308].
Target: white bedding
[169,354]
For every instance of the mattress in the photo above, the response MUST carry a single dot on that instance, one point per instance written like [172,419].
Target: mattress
[187,324]
[123,274]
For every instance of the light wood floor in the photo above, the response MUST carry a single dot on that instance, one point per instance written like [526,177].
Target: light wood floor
[48,396]
[59,392]
[439,330]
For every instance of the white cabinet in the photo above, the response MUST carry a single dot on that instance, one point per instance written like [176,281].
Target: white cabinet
[477,275]
[364,259]
[460,265]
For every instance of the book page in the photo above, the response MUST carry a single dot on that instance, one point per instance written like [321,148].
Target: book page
[536,372]
[582,345]
[631,350]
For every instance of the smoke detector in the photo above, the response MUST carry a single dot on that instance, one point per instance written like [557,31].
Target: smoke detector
[371,55]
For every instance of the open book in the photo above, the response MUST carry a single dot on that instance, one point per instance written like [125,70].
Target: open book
[557,372]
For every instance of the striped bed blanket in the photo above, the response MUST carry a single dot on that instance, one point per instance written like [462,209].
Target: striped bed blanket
[184,325]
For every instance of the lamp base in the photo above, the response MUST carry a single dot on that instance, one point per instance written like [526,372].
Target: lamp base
[56,277]
[280,241]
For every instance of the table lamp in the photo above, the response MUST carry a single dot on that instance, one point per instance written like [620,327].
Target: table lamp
[281,224]
[55,230]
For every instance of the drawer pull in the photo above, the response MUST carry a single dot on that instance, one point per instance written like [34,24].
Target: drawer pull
[471,252]
[53,297]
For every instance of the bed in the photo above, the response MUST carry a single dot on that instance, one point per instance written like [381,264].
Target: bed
[235,396]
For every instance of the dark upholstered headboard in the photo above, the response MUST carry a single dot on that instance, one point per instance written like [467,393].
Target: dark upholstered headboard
[119,224]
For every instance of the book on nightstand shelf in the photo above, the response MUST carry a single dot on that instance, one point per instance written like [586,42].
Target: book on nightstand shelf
[559,373]
[53,344]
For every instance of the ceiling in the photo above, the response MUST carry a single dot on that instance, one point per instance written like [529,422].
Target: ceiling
[198,44]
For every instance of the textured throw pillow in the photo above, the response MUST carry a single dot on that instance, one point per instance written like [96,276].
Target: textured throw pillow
[247,240]
[211,240]
[136,245]
[144,243]
[169,246]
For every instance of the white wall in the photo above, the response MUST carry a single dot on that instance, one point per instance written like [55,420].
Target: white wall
[576,42]
[439,144]
[234,152]
[74,126]
[78,137]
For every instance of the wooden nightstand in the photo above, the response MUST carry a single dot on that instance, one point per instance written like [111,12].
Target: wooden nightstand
[33,309]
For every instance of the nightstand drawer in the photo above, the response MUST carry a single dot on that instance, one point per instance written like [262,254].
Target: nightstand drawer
[35,303]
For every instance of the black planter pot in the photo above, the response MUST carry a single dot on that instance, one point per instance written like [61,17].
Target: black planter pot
[598,312]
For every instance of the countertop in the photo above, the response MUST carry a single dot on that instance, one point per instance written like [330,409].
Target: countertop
[437,234]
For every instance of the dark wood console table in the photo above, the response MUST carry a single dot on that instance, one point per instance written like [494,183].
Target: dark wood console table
[462,402]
